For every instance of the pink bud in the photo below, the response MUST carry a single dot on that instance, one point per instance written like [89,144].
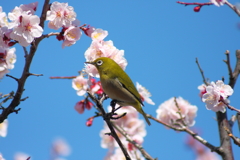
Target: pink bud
[89,122]
[79,107]
[89,30]
[130,146]
[88,104]
[10,44]
[197,8]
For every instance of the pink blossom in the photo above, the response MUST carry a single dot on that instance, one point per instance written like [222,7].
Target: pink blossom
[134,127]
[3,18]
[89,30]
[168,112]
[60,147]
[218,2]
[71,35]
[1,157]
[202,89]
[144,94]
[3,128]
[30,8]
[21,156]
[60,14]
[215,94]
[98,34]
[7,60]
[80,106]
[103,49]
[5,37]
[26,28]
[80,84]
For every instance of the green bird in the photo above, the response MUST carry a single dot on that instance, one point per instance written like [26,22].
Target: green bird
[118,85]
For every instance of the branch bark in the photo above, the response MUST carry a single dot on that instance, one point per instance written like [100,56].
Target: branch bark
[25,74]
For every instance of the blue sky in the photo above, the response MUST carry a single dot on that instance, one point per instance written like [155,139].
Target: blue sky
[161,40]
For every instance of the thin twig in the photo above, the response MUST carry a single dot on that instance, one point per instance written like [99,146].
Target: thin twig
[70,77]
[194,135]
[235,139]
[32,74]
[201,71]
[25,52]
[107,120]
[16,79]
[230,107]
[179,112]
[228,64]
[234,8]
[128,138]
[194,3]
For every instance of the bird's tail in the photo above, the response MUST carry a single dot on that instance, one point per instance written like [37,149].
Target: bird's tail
[145,116]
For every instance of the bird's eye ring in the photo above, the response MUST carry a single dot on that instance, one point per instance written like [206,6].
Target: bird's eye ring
[99,62]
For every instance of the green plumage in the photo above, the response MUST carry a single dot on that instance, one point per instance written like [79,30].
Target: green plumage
[118,85]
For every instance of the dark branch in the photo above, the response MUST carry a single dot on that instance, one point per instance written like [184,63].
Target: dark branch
[25,74]
[108,121]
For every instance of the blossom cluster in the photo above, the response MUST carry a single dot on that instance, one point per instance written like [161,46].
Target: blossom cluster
[177,114]
[218,2]
[215,95]
[101,48]
[133,126]
[63,16]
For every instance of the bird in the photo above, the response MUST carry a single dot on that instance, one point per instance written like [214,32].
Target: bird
[118,85]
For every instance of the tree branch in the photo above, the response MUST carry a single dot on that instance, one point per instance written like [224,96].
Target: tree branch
[128,138]
[218,150]
[234,8]
[25,74]
[106,118]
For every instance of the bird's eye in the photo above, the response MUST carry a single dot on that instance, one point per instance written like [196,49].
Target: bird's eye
[99,63]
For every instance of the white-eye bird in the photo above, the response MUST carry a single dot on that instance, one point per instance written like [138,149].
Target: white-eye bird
[117,84]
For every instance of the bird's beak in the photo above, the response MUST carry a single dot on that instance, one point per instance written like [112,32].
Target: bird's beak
[89,63]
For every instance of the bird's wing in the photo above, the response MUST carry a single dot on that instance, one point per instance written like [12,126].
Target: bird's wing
[129,86]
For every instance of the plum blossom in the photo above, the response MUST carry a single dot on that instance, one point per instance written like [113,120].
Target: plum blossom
[3,18]
[202,89]
[118,155]
[144,94]
[99,34]
[60,147]
[60,14]
[89,30]
[79,107]
[5,37]
[21,156]
[218,2]
[80,84]
[27,30]
[30,8]
[3,128]
[1,157]
[215,96]
[71,35]
[7,60]
[103,49]
[133,126]
[168,112]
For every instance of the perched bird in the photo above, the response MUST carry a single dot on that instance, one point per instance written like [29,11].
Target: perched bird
[117,84]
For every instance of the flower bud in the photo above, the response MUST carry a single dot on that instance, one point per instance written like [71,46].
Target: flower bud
[197,8]
[89,122]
